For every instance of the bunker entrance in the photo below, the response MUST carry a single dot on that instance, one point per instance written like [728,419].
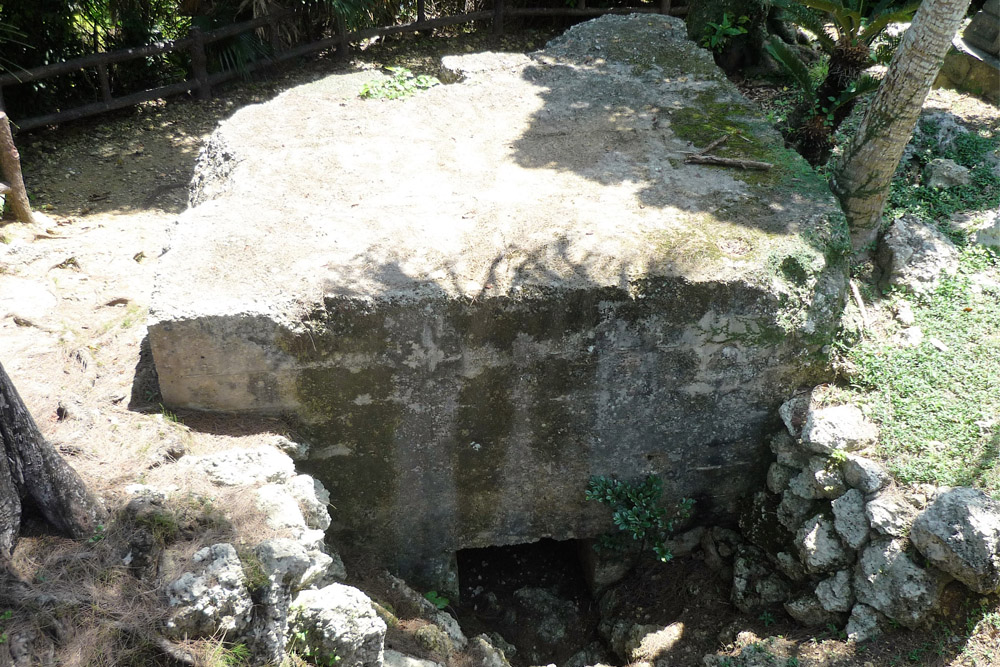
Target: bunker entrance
[535,596]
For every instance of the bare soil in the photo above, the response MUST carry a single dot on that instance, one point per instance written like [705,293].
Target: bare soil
[74,293]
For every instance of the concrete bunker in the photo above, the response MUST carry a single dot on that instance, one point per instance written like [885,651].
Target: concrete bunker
[537,290]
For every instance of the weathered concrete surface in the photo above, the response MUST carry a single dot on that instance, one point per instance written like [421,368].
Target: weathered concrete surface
[474,299]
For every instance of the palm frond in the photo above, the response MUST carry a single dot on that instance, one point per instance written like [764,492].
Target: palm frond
[811,20]
[791,62]
[880,22]
[863,86]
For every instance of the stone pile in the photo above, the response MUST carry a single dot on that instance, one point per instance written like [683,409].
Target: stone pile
[836,541]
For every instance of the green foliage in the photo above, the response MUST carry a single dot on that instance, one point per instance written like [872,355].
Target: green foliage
[637,512]
[437,600]
[717,35]
[853,22]
[936,405]
[5,616]
[402,83]
[767,618]
[908,194]
[254,576]
[97,536]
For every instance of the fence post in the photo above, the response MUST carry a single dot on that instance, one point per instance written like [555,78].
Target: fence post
[274,19]
[421,11]
[199,63]
[498,16]
[10,166]
[665,7]
[343,46]
[102,76]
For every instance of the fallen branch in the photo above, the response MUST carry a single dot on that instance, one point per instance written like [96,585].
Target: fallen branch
[718,142]
[697,158]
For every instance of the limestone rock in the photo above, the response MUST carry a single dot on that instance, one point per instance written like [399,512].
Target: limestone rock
[432,638]
[914,256]
[887,579]
[850,520]
[793,510]
[285,567]
[755,584]
[789,452]
[657,641]
[238,467]
[339,621]
[778,477]
[863,474]
[945,173]
[396,659]
[313,500]
[835,594]
[793,413]
[298,451]
[840,427]
[863,624]
[280,506]
[212,601]
[417,605]
[904,313]
[820,548]
[890,515]
[807,611]
[960,534]
[790,566]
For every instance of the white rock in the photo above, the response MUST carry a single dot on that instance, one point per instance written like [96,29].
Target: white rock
[212,601]
[835,594]
[280,506]
[482,650]
[960,534]
[793,510]
[238,467]
[313,499]
[841,427]
[890,515]
[945,173]
[863,624]
[904,314]
[887,579]
[914,256]
[339,621]
[397,659]
[807,610]
[793,413]
[850,520]
[863,474]
[820,548]
[778,477]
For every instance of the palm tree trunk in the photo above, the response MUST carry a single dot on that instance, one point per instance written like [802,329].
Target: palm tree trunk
[862,177]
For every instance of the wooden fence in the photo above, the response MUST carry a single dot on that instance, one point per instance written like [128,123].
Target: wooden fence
[203,81]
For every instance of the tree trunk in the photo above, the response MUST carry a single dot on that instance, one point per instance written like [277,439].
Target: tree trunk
[10,167]
[862,177]
[30,468]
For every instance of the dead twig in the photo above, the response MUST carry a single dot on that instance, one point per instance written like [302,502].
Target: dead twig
[718,142]
[728,162]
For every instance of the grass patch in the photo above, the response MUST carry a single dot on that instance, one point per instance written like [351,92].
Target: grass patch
[938,405]
[908,194]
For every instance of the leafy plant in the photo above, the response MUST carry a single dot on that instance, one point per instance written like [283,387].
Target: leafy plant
[5,616]
[846,31]
[767,618]
[437,600]
[637,512]
[402,83]
[717,35]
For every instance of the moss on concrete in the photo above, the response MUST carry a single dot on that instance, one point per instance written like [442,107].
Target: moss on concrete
[484,427]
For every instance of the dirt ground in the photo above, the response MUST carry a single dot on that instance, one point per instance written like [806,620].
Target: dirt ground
[74,294]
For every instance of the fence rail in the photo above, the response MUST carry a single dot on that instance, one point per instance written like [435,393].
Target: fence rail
[202,81]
